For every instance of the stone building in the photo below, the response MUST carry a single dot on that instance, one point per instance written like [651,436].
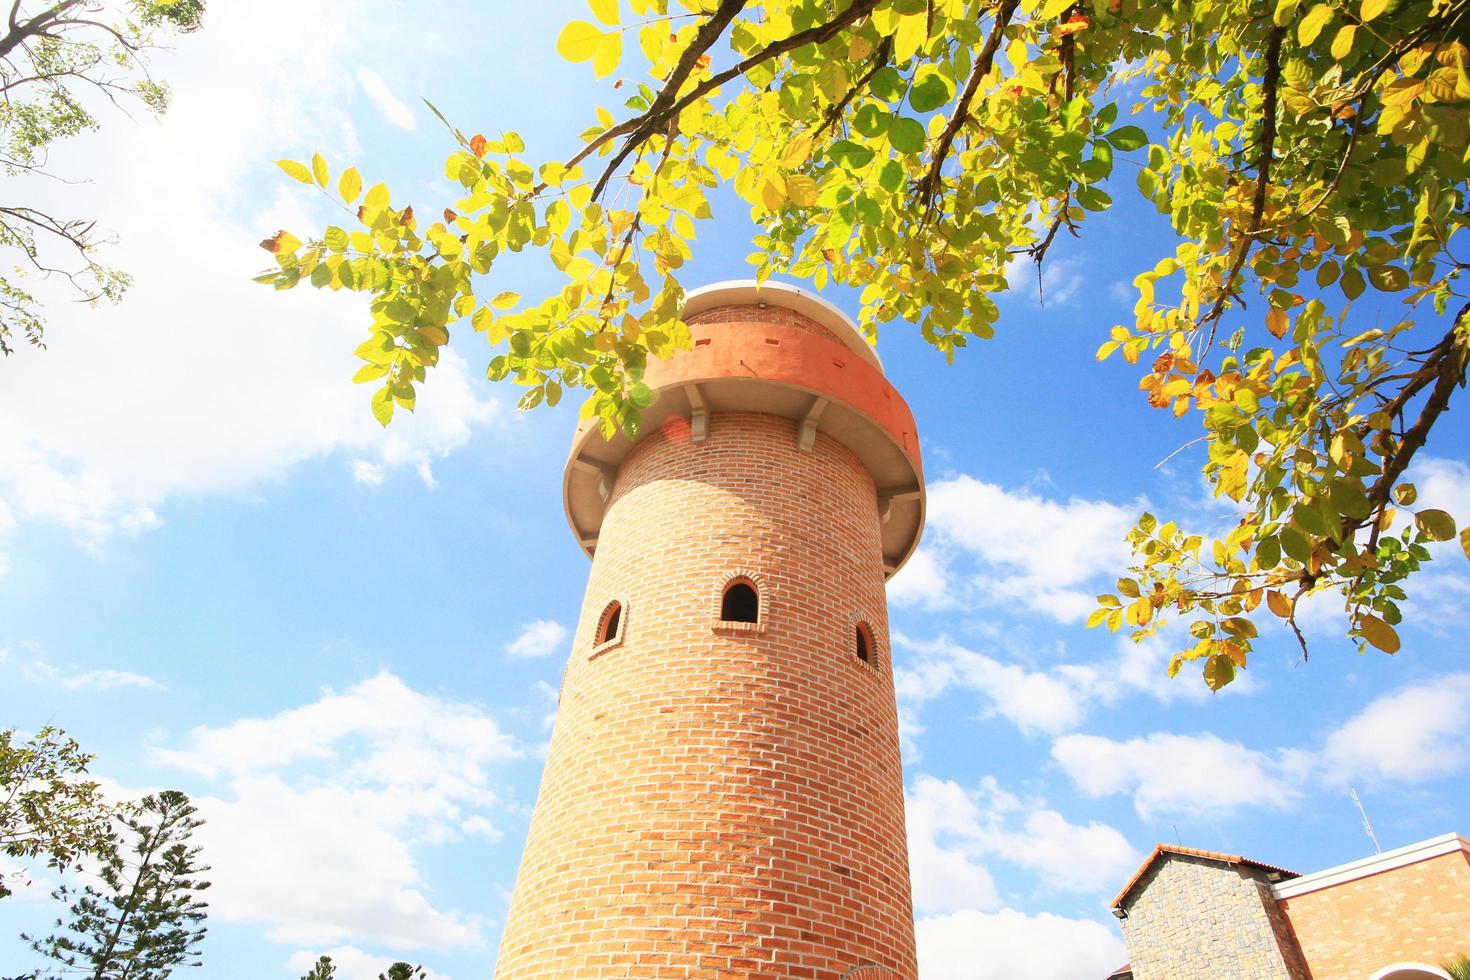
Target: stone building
[1200,915]
[723,795]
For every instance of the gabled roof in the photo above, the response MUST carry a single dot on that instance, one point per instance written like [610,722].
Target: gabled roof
[1124,972]
[1161,849]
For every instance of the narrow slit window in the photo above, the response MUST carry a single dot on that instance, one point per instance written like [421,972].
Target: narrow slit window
[608,625]
[864,642]
[740,604]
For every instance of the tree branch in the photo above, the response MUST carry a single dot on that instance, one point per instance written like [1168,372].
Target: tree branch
[1270,83]
[929,189]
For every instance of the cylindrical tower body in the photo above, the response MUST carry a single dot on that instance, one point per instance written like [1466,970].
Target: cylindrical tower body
[723,797]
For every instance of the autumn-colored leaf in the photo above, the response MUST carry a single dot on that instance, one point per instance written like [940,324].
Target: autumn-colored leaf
[1378,633]
[477,144]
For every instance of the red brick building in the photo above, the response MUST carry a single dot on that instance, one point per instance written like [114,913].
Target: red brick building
[723,795]
[1398,915]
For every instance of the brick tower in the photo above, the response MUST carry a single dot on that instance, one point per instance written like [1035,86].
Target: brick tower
[723,795]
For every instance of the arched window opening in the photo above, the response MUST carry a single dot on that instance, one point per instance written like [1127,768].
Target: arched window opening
[864,643]
[607,626]
[740,603]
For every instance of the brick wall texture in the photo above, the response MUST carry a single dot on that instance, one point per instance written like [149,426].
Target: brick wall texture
[1195,919]
[724,801]
[1416,913]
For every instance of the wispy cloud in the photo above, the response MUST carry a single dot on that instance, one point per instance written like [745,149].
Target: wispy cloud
[393,110]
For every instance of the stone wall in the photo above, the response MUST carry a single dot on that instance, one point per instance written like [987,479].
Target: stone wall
[1192,918]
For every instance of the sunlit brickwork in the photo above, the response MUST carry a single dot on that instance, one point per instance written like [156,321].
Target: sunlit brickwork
[724,800]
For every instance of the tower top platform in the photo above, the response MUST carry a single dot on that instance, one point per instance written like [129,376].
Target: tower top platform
[770,349]
[748,292]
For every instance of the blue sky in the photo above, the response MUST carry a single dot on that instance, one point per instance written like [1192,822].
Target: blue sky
[221,576]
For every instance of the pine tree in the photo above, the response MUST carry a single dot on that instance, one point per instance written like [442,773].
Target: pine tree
[402,971]
[324,970]
[146,917]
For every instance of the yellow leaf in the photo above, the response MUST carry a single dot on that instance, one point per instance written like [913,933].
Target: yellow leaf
[1378,633]
[1372,8]
[349,185]
[609,52]
[294,170]
[1465,541]
[377,196]
[913,31]
[1096,617]
[578,41]
[1279,604]
[505,301]
[802,190]
[1435,525]
[1312,24]
[797,152]
[1277,321]
[319,169]
[773,192]
[1342,44]
[605,11]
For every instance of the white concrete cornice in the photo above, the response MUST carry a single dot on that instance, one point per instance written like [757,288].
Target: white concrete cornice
[1378,863]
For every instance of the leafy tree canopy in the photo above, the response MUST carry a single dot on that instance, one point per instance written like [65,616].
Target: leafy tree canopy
[1304,153]
[58,59]
[47,808]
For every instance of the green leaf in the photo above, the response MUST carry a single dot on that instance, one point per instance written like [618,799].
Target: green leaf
[890,175]
[1435,525]
[871,121]
[1127,138]
[319,170]
[929,94]
[578,41]
[1093,199]
[294,170]
[1311,25]
[349,185]
[906,135]
[849,155]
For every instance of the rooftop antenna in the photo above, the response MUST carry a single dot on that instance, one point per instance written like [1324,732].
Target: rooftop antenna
[1177,838]
[1353,790]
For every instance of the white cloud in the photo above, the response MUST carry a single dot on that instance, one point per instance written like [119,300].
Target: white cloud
[923,582]
[35,667]
[538,638]
[1184,774]
[367,472]
[1025,549]
[322,808]
[1035,701]
[1041,700]
[1005,945]
[201,381]
[951,829]
[104,680]
[1411,735]
[1061,279]
[393,110]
